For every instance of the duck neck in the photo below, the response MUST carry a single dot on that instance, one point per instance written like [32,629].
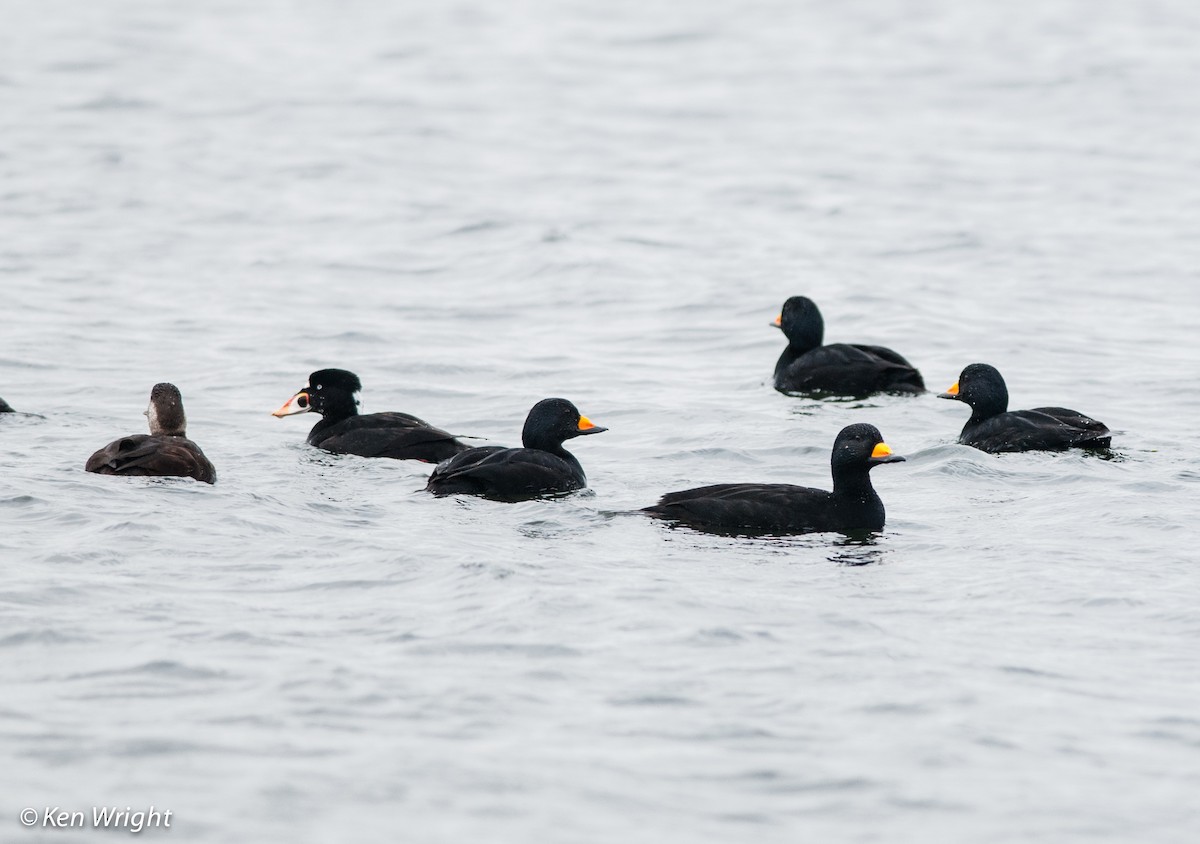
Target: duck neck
[550,444]
[806,336]
[987,407]
[335,411]
[976,418]
[339,408]
[802,339]
[789,356]
[853,482]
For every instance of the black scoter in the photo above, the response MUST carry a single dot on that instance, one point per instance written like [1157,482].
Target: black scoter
[165,452]
[852,506]
[542,467]
[994,428]
[334,394]
[841,369]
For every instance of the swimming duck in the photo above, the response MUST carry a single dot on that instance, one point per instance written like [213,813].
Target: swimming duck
[334,394]
[994,428]
[842,369]
[165,452]
[542,467]
[852,506]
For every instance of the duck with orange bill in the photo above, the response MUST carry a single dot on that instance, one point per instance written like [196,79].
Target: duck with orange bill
[334,394]
[542,467]
[842,369]
[994,428]
[779,509]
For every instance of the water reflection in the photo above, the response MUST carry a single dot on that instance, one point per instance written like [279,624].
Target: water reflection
[858,549]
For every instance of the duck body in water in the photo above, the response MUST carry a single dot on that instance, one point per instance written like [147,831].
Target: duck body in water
[334,394]
[852,506]
[843,369]
[542,467]
[165,452]
[995,429]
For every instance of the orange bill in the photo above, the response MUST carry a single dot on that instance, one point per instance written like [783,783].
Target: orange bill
[587,426]
[296,404]
[881,450]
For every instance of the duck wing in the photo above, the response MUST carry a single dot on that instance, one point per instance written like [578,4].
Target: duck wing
[399,436]
[145,455]
[511,474]
[848,369]
[1040,429]
[783,508]
[884,354]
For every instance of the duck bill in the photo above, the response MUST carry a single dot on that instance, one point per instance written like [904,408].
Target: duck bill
[883,454]
[296,404]
[778,321]
[951,392]
[586,426]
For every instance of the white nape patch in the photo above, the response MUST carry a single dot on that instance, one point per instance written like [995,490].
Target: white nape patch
[152,415]
[357,396]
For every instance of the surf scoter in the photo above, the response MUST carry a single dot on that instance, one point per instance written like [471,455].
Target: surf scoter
[994,428]
[542,467]
[333,393]
[852,506]
[165,452]
[841,369]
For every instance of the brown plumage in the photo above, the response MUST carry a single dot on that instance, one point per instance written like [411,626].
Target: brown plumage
[165,452]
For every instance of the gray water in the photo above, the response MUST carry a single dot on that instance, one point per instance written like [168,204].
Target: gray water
[475,206]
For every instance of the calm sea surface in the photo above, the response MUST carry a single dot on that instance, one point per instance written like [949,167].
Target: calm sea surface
[477,205]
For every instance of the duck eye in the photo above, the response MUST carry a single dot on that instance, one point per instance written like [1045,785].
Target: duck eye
[320,387]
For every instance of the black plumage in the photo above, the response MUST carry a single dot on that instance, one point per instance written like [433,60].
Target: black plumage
[5,407]
[994,428]
[807,366]
[165,452]
[333,393]
[542,467]
[852,505]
